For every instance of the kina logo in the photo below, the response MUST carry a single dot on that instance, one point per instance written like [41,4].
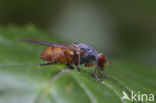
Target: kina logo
[137,96]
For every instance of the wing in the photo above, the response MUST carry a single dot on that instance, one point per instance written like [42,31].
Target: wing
[48,44]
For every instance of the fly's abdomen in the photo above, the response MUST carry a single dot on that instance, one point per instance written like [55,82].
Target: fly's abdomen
[47,54]
[57,55]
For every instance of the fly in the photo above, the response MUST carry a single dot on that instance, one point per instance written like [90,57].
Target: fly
[76,53]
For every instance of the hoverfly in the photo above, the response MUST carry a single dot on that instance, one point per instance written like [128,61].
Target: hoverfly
[77,54]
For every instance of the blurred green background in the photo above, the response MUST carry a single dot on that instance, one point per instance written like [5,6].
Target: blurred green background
[121,29]
[124,30]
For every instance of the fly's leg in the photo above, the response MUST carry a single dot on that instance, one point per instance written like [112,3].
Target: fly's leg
[78,64]
[78,52]
[95,74]
[48,63]
[100,73]
[77,61]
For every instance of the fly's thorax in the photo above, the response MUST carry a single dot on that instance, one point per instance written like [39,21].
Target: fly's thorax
[89,55]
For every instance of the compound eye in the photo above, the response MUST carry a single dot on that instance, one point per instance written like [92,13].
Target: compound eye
[101,58]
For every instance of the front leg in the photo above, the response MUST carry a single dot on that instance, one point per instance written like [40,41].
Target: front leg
[95,74]
[78,52]
[101,74]
[78,62]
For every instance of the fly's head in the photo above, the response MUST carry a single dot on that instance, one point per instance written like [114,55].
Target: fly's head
[101,60]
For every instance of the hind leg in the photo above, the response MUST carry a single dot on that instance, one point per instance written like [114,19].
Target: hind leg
[48,63]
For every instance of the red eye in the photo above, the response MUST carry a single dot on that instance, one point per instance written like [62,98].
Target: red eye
[101,58]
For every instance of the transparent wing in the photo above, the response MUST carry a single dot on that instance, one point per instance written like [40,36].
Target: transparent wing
[48,44]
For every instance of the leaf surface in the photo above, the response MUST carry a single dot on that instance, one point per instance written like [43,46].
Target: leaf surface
[22,81]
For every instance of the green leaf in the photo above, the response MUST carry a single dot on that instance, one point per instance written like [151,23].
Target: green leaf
[22,81]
